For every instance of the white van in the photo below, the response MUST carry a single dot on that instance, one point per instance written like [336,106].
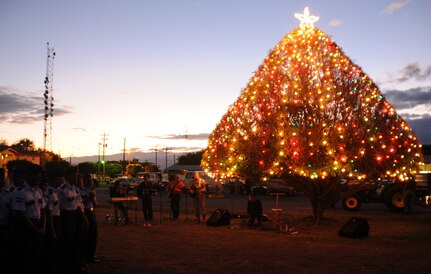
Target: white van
[155,177]
[211,183]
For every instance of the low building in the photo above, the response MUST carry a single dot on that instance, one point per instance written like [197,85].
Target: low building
[11,154]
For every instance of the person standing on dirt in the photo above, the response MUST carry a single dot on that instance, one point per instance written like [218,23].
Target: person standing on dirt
[117,191]
[408,195]
[175,188]
[198,189]
[144,193]
[254,210]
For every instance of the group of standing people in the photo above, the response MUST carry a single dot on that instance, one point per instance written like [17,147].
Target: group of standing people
[48,223]
[196,189]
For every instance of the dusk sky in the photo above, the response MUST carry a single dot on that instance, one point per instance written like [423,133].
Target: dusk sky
[149,71]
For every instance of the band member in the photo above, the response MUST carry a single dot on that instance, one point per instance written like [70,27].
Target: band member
[198,188]
[175,187]
[144,192]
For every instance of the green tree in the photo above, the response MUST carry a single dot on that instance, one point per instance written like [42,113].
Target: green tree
[150,167]
[22,164]
[87,168]
[56,168]
[24,145]
[112,169]
[3,144]
[133,169]
[191,158]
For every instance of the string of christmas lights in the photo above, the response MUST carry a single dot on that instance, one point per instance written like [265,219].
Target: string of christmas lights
[309,110]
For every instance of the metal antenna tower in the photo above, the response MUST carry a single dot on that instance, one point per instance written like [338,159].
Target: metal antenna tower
[48,99]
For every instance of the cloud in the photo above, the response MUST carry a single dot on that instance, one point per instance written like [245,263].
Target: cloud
[421,126]
[19,108]
[395,6]
[81,129]
[335,22]
[413,71]
[133,149]
[407,99]
[198,136]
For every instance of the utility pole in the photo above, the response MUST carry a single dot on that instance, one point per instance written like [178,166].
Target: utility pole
[124,157]
[156,154]
[166,157]
[104,145]
[98,160]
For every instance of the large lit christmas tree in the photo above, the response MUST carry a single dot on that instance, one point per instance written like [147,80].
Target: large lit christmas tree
[311,115]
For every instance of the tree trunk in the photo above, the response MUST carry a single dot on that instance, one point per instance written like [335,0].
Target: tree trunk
[318,209]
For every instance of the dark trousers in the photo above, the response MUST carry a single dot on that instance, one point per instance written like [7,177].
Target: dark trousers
[199,205]
[68,241]
[52,246]
[120,206]
[147,208]
[4,240]
[175,205]
[91,241]
[81,236]
[252,218]
[34,248]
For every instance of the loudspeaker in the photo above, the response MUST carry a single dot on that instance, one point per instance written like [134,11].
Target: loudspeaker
[219,217]
[355,228]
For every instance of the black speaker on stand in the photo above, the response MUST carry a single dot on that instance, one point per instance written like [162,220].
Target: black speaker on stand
[219,217]
[356,227]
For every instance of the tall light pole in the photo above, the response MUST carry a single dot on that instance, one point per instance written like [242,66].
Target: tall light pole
[104,146]
[166,157]
[156,154]
[98,160]
[124,157]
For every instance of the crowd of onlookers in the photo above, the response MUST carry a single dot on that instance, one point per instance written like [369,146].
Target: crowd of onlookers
[47,221]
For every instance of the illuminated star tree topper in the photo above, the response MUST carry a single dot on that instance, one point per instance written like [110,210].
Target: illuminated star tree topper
[306,19]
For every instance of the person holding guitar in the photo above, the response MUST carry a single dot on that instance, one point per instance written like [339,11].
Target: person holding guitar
[175,187]
[197,189]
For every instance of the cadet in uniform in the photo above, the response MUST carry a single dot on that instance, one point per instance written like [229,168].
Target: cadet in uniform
[26,205]
[81,225]
[68,212]
[90,202]
[4,222]
[53,223]
[16,230]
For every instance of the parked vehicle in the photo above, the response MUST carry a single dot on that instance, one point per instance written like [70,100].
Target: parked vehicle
[212,185]
[260,190]
[131,183]
[158,180]
[389,192]
[272,185]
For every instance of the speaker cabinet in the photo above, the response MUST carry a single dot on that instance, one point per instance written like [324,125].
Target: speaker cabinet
[355,228]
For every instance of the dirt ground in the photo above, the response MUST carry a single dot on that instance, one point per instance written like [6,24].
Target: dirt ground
[397,243]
